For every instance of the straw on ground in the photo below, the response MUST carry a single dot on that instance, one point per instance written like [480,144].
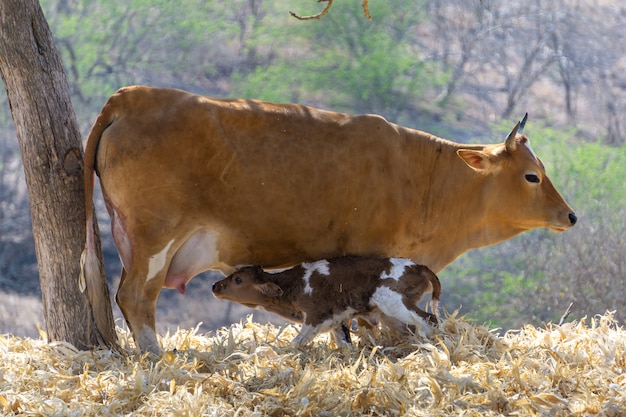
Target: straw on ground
[250,369]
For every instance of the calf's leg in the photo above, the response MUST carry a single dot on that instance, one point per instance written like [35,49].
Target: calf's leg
[315,323]
[341,334]
[399,308]
[307,333]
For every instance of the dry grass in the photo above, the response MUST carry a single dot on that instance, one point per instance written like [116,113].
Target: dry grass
[250,369]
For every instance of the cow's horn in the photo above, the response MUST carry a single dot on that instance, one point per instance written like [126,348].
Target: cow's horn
[510,143]
[522,124]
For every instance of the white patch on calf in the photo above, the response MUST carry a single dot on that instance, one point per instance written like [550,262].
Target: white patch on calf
[157,262]
[398,265]
[321,267]
[390,303]
[275,271]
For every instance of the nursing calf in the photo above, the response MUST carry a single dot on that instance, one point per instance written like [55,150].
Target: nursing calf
[323,294]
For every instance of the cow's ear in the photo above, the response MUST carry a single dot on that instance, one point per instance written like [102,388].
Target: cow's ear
[477,160]
[270,289]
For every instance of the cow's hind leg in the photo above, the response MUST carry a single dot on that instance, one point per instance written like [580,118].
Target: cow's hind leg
[143,275]
[137,298]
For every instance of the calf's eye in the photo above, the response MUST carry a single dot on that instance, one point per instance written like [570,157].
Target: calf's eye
[532,178]
[237,280]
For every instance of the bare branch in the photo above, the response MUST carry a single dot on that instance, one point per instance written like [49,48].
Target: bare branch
[366,11]
[315,16]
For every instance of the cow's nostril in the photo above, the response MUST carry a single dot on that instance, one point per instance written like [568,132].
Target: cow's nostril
[573,219]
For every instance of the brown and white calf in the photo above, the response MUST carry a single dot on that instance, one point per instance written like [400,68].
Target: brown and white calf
[323,294]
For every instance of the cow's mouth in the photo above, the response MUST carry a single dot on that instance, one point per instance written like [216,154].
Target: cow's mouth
[561,227]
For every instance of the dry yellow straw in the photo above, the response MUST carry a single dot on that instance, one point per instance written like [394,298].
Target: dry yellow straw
[250,369]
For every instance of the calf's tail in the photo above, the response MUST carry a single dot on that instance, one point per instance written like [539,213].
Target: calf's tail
[435,294]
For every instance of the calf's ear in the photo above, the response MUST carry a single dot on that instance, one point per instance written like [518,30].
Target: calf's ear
[270,289]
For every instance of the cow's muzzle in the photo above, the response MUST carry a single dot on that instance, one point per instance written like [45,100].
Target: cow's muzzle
[564,225]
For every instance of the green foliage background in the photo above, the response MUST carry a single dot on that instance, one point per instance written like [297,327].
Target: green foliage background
[253,48]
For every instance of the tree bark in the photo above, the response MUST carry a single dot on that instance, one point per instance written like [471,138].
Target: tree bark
[52,156]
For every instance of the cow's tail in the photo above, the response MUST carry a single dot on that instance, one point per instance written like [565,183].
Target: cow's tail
[92,278]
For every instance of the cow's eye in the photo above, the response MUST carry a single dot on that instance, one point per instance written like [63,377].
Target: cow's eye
[237,280]
[532,178]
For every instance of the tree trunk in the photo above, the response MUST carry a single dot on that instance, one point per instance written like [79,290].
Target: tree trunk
[53,162]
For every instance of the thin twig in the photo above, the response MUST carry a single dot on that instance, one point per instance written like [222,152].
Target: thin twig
[566,314]
[366,9]
[315,16]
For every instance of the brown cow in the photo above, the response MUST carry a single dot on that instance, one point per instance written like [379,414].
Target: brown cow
[194,183]
[323,294]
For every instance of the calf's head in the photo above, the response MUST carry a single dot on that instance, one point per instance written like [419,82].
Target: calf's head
[248,286]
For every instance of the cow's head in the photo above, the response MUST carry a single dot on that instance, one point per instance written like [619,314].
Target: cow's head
[248,286]
[517,189]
